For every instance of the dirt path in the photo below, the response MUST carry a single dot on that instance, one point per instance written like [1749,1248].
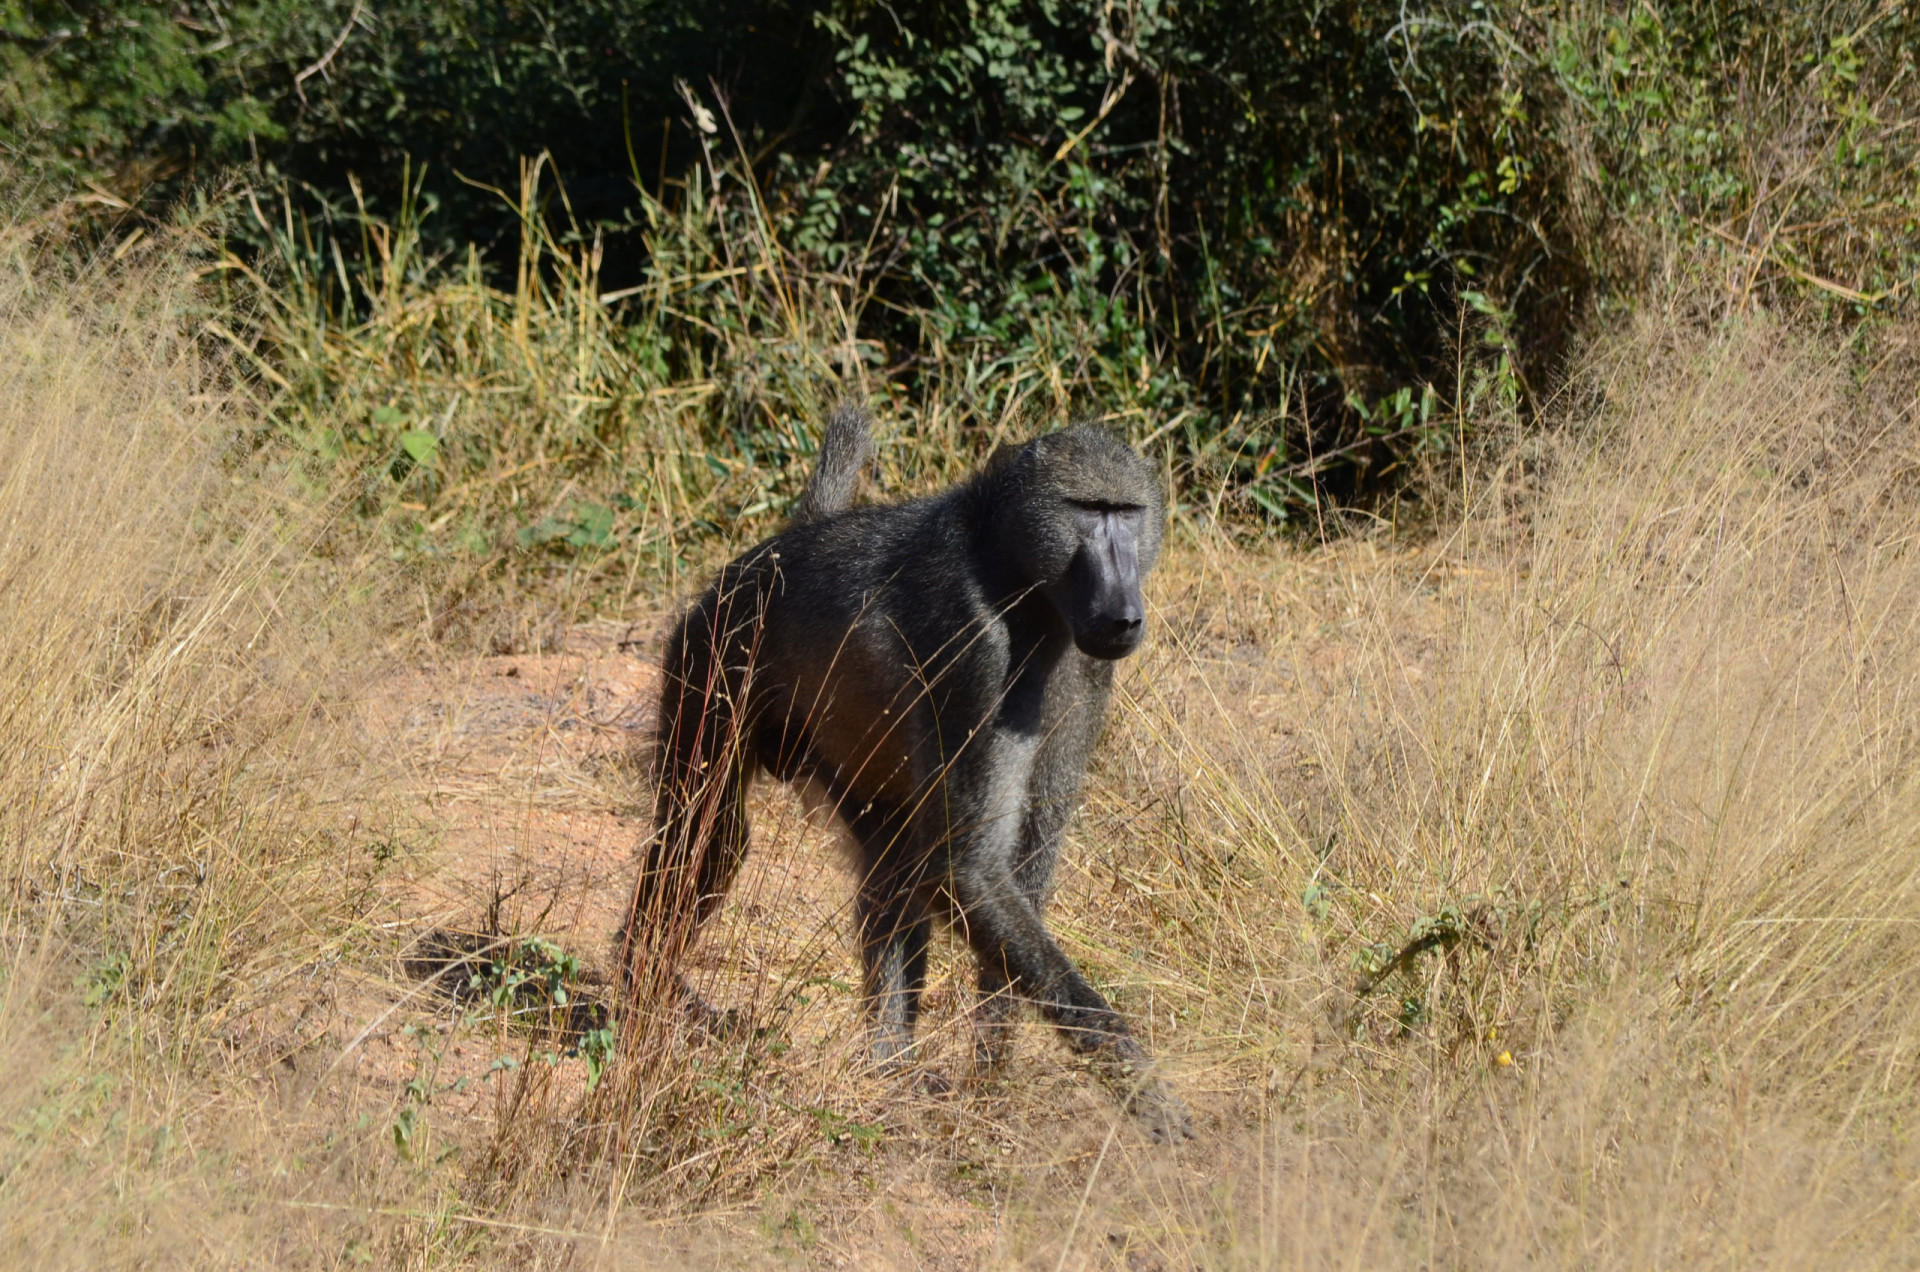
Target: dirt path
[525,765]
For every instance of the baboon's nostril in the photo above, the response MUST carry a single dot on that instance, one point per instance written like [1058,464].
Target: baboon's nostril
[1120,629]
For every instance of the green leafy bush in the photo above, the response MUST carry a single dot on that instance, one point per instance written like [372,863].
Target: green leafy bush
[1270,235]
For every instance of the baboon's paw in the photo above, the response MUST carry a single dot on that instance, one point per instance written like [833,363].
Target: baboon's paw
[1160,1113]
[932,1082]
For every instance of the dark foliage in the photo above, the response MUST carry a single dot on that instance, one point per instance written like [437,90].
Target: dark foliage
[1269,222]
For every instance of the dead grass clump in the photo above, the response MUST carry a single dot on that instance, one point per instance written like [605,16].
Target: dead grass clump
[181,873]
[1561,877]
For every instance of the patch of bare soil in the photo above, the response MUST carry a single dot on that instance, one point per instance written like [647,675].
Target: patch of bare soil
[529,765]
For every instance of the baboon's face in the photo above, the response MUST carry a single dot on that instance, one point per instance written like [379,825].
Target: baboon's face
[1102,592]
[1088,532]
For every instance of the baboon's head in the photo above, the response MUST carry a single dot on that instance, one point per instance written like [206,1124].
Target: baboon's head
[1083,525]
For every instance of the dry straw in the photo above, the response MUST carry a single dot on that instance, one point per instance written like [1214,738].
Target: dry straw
[1539,891]
[178,811]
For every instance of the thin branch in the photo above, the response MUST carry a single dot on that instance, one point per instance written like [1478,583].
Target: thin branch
[339,42]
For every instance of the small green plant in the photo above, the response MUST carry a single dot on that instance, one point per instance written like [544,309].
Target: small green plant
[409,1125]
[582,525]
[1379,961]
[104,982]
[837,1128]
[596,1048]
[526,975]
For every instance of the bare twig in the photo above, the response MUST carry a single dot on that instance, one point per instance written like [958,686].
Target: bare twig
[339,42]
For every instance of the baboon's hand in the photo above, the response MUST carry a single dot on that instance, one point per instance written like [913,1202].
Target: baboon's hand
[1161,1113]
[1144,1094]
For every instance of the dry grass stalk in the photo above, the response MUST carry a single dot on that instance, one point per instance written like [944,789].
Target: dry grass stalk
[1542,892]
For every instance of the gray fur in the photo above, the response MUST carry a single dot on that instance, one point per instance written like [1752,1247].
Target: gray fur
[845,448]
[941,667]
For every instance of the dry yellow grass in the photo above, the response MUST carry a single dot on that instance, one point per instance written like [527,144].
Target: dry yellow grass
[1637,729]
[1542,891]
[178,832]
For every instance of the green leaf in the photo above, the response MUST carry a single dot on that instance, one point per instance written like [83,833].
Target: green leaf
[1270,503]
[405,1127]
[596,1048]
[421,446]
[592,526]
[545,530]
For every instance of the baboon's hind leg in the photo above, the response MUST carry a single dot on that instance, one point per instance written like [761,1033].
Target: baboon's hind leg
[896,927]
[893,940]
[691,862]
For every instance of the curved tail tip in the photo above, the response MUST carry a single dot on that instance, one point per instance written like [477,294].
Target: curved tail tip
[846,445]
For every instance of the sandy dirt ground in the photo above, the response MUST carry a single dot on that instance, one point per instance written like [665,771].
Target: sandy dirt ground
[534,806]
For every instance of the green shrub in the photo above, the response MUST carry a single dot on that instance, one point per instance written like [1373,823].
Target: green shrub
[1270,236]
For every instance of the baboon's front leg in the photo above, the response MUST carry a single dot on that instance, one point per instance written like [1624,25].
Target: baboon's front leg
[1003,927]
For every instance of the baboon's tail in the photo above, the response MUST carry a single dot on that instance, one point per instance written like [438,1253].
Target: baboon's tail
[845,448]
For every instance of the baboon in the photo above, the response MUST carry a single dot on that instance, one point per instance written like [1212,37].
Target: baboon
[939,670]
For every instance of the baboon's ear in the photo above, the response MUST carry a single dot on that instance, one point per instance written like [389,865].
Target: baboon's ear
[1008,453]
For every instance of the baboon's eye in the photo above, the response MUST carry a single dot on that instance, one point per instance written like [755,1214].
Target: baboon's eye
[1105,505]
